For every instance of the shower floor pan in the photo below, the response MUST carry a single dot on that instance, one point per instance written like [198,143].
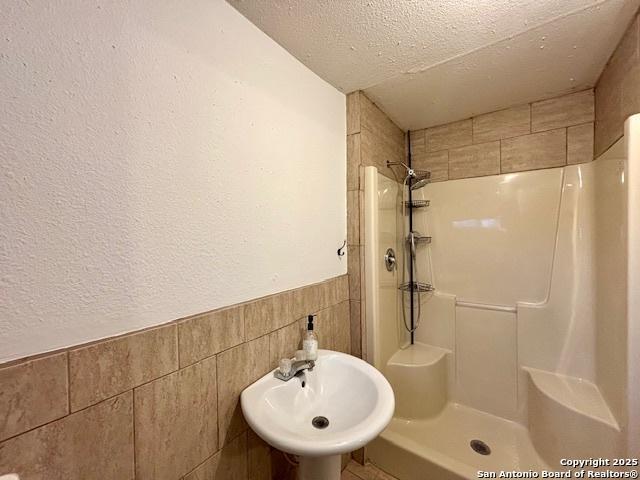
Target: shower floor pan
[439,448]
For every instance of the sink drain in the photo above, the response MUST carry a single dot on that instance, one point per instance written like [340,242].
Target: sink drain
[320,422]
[480,447]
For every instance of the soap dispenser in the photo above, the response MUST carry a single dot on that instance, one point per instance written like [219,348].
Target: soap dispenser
[310,341]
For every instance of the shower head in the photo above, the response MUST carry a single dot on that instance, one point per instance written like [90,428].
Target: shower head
[419,178]
[419,183]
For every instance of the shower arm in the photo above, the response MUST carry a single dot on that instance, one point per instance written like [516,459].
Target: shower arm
[393,164]
[410,170]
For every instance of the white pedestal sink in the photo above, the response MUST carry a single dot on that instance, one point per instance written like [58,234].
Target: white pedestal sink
[353,396]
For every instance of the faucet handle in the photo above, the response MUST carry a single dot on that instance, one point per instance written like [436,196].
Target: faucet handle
[285,366]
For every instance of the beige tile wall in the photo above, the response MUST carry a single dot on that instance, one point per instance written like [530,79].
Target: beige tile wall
[545,134]
[618,89]
[372,140]
[161,404]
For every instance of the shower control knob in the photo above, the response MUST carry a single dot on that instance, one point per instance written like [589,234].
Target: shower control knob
[390,259]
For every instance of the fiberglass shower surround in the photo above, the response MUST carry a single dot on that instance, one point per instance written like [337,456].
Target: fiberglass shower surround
[529,342]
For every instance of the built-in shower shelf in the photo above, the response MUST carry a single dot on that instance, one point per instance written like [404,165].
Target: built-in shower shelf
[416,204]
[571,394]
[569,414]
[417,287]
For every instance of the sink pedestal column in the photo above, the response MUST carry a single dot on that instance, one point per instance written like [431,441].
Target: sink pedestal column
[320,468]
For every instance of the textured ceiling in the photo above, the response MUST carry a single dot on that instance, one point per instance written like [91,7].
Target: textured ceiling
[427,62]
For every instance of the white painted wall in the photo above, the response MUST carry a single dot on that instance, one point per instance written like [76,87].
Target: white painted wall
[158,159]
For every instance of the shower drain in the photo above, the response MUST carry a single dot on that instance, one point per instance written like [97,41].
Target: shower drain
[320,422]
[480,447]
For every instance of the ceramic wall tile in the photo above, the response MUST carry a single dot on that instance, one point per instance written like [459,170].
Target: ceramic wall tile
[33,393]
[108,368]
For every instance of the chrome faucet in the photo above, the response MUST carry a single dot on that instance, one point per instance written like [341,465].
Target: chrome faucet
[289,369]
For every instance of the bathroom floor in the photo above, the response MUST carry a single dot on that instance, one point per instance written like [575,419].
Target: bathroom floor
[355,471]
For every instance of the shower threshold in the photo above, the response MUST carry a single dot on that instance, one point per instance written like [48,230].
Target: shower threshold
[440,447]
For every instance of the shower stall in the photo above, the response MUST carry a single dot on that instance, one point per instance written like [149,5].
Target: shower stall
[509,322]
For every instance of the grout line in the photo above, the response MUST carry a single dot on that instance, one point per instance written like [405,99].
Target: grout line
[473,140]
[68,383]
[217,403]
[566,146]
[448,166]
[133,421]
[178,349]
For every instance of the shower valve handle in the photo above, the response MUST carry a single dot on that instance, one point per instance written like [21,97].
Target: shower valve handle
[390,259]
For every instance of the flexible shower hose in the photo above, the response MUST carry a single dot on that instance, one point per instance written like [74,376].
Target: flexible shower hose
[411,253]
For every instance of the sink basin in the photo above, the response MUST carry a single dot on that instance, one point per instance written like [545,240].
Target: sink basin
[353,396]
